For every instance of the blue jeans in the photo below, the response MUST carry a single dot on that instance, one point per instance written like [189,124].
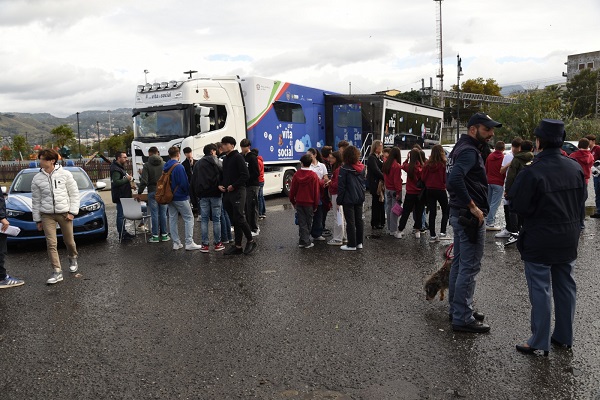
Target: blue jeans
[597,192]
[544,282]
[225,225]
[158,215]
[262,206]
[465,267]
[211,206]
[120,219]
[392,219]
[185,209]
[495,193]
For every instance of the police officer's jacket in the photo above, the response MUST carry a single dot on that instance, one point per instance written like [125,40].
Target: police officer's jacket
[466,179]
[549,194]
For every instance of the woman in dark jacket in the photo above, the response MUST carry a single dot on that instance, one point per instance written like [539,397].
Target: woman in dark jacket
[351,195]
[374,176]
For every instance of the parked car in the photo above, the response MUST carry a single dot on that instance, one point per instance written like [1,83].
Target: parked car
[90,222]
[570,147]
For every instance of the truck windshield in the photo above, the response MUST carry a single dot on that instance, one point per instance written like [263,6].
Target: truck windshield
[161,124]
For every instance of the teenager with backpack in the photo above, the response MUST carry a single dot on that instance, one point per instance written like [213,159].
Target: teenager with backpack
[180,203]
[351,195]
[151,173]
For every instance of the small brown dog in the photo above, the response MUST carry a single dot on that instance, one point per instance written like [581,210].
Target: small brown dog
[438,281]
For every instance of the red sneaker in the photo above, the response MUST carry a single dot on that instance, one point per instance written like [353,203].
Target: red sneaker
[218,247]
[204,248]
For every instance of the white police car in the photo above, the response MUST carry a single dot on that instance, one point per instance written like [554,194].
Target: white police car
[90,222]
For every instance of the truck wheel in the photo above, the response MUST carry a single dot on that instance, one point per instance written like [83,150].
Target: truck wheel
[287,182]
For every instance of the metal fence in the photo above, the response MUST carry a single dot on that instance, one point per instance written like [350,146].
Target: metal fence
[95,169]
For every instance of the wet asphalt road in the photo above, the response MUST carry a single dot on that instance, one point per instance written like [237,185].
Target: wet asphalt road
[145,322]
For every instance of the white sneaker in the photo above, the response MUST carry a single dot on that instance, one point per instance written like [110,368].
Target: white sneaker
[334,242]
[344,247]
[308,246]
[399,235]
[502,234]
[434,239]
[359,246]
[492,228]
[418,234]
[73,264]
[55,278]
[256,232]
[177,246]
[193,246]
[320,238]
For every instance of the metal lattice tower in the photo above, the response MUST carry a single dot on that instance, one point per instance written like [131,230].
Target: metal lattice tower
[440,51]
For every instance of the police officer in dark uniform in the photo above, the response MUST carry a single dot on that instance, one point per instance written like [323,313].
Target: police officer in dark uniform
[467,185]
[549,194]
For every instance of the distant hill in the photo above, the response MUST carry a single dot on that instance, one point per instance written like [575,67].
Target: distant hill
[37,127]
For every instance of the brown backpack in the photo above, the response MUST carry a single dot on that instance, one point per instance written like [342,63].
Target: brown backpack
[164,194]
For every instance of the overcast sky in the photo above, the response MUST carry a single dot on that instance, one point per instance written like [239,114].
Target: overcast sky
[63,56]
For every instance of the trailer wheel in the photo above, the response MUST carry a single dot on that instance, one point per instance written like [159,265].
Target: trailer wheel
[287,182]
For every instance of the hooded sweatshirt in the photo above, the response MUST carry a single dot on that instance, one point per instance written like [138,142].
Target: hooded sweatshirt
[517,165]
[151,173]
[411,184]
[393,179]
[585,158]
[351,184]
[434,176]
[492,168]
[304,191]
[179,181]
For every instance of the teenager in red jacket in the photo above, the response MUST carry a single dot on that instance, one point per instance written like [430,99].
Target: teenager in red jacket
[414,169]
[262,207]
[339,230]
[304,196]
[493,166]
[585,158]
[392,178]
[595,150]
[434,177]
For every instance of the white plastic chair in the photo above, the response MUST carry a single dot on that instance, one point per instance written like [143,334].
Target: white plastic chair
[132,211]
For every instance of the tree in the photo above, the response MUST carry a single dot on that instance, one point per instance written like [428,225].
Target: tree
[63,135]
[413,96]
[522,118]
[479,86]
[20,146]
[581,94]
[6,153]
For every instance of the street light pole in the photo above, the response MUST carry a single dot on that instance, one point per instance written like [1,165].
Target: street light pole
[98,127]
[79,135]
[458,75]
[146,76]
[109,124]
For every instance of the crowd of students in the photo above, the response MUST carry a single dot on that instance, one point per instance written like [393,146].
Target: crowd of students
[314,193]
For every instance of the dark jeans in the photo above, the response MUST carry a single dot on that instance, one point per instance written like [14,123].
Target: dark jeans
[513,221]
[234,203]
[412,202]
[262,206]
[377,211]
[354,224]
[435,196]
[2,256]
[317,226]
[252,207]
[305,221]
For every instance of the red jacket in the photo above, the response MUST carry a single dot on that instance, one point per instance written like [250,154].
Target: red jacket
[596,152]
[586,160]
[434,176]
[305,189]
[493,163]
[261,169]
[333,183]
[411,184]
[393,180]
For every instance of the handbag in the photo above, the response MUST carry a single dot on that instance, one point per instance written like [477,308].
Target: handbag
[381,191]
[397,209]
